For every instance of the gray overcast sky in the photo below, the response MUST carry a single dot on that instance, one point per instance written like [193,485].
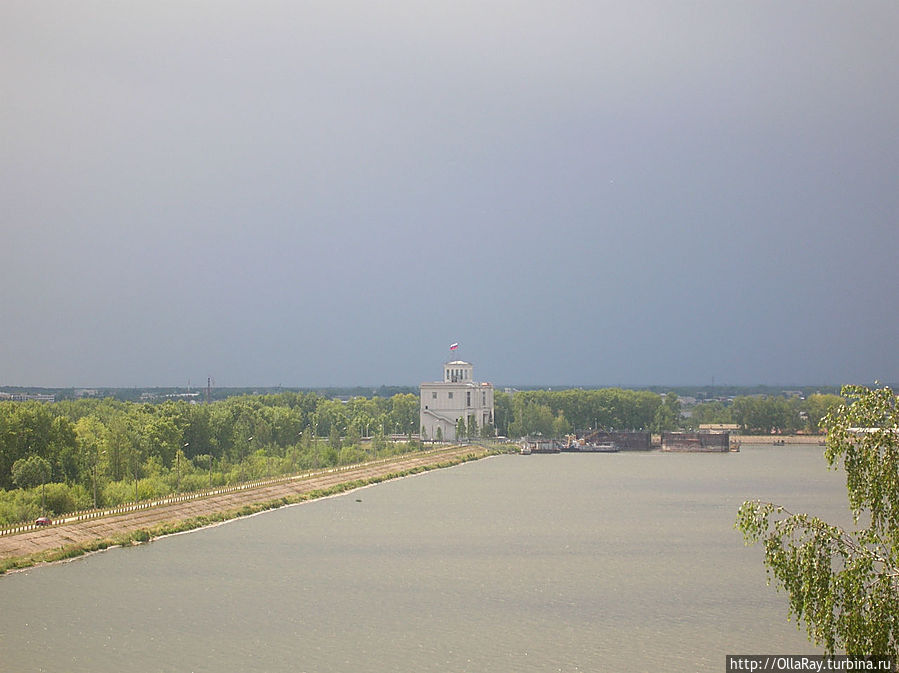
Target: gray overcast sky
[330,193]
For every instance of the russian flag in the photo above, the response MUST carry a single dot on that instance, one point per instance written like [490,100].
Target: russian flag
[454,346]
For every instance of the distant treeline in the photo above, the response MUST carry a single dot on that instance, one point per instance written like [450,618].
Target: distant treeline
[703,393]
[552,413]
[766,414]
[72,454]
[199,393]
[159,394]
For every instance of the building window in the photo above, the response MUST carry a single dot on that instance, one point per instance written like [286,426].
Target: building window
[468,399]
[433,396]
[483,399]
[450,395]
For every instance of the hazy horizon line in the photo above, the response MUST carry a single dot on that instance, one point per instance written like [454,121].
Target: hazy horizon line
[519,385]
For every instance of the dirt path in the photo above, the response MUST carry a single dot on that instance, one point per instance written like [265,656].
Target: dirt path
[34,541]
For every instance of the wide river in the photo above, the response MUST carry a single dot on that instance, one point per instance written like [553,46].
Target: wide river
[602,562]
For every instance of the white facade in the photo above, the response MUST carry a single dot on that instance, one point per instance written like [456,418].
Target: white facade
[457,396]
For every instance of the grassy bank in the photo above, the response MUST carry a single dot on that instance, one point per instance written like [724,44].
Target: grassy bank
[141,535]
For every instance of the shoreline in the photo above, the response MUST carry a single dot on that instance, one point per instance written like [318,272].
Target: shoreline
[60,545]
[777,439]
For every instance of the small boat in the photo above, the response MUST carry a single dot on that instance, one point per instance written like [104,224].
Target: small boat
[601,447]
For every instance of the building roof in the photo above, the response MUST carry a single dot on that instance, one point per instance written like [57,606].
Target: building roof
[457,384]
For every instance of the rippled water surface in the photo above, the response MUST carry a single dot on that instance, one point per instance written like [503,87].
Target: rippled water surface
[602,562]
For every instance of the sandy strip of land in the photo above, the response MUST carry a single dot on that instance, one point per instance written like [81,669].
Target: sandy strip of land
[34,541]
[772,439]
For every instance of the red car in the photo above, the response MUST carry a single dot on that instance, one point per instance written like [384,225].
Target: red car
[42,521]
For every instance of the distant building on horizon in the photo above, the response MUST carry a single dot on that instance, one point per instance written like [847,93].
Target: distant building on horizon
[457,396]
[26,397]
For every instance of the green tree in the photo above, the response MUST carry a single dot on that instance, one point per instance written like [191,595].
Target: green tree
[404,413]
[334,438]
[667,414]
[122,441]
[461,428]
[531,417]
[844,585]
[762,415]
[30,472]
[353,434]
[711,412]
[25,430]
[198,431]
[91,436]
[502,408]
[160,436]
[561,426]
[817,407]
[379,442]
[472,429]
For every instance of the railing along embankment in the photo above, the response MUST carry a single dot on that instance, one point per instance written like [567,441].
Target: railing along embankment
[126,508]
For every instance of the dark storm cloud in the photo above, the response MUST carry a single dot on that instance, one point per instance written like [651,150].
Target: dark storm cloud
[330,193]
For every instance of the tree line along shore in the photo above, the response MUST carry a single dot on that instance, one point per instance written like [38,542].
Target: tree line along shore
[70,455]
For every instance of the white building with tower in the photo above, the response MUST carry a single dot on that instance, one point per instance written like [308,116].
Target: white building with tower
[457,396]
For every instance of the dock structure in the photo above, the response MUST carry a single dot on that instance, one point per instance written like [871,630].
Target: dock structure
[623,440]
[532,444]
[696,442]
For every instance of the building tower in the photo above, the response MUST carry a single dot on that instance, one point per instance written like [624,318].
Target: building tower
[457,396]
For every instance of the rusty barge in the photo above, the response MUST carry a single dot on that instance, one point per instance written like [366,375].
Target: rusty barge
[697,442]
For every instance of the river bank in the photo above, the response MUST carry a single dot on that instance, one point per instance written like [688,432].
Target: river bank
[71,540]
[778,439]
